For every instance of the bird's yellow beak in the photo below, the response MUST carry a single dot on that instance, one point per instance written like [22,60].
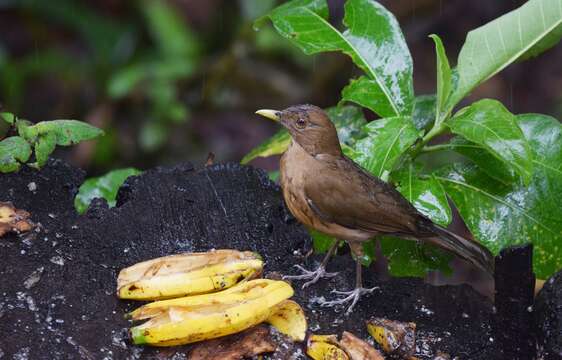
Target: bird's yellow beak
[270,114]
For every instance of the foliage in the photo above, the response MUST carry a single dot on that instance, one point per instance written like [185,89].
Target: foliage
[105,187]
[42,137]
[506,190]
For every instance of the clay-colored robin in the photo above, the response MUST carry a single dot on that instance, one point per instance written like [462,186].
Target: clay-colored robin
[327,191]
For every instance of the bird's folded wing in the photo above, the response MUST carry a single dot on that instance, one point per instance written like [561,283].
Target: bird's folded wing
[356,200]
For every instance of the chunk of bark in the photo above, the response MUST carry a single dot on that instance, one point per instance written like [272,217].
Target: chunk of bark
[252,342]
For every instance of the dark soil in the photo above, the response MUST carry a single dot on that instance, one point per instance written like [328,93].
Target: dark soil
[548,319]
[58,283]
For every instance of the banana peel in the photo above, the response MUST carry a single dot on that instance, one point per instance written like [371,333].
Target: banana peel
[350,347]
[187,274]
[394,337]
[325,347]
[289,319]
[202,317]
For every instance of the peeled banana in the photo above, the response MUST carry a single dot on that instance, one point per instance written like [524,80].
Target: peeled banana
[201,317]
[187,274]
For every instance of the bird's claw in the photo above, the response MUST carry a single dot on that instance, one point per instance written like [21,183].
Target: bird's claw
[348,296]
[313,275]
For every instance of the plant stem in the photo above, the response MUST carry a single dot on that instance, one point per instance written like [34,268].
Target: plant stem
[438,147]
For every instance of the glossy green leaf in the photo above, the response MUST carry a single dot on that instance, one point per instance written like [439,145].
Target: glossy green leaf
[105,187]
[500,215]
[349,121]
[491,47]
[443,75]
[413,258]
[386,141]
[14,151]
[367,93]
[488,123]
[427,195]
[8,117]
[491,165]
[424,111]
[373,40]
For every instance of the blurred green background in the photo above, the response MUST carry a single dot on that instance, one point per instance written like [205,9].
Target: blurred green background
[171,80]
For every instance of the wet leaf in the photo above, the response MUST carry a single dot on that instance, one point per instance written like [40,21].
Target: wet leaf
[489,124]
[373,40]
[424,112]
[493,46]
[499,215]
[491,165]
[14,151]
[105,187]
[427,195]
[443,75]
[386,141]
[349,121]
[367,93]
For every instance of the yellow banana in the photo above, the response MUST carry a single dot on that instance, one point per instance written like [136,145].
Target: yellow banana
[288,317]
[187,274]
[235,294]
[210,316]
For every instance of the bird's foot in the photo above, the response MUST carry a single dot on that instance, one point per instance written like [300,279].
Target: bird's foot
[348,296]
[314,276]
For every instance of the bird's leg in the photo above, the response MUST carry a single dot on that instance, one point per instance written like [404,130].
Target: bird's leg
[353,295]
[317,274]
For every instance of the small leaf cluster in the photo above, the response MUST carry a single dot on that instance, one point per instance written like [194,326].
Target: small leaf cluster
[38,139]
[506,177]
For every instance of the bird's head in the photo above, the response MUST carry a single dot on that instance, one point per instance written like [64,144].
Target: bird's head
[309,126]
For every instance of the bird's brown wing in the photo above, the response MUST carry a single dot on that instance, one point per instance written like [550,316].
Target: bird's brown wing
[349,196]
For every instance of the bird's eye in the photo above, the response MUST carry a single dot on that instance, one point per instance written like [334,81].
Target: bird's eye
[301,123]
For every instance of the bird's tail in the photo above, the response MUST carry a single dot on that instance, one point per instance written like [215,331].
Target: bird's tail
[464,248]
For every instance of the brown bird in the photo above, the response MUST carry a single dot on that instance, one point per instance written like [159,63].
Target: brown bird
[327,191]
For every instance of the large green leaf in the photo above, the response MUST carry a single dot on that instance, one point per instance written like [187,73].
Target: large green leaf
[373,40]
[427,195]
[413,258]
[105,187]
[386,141]
[491,165]
[488,123]
[491,47]
[500,215]
[349,121]
[443,75]
[367,93]
[13,152]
